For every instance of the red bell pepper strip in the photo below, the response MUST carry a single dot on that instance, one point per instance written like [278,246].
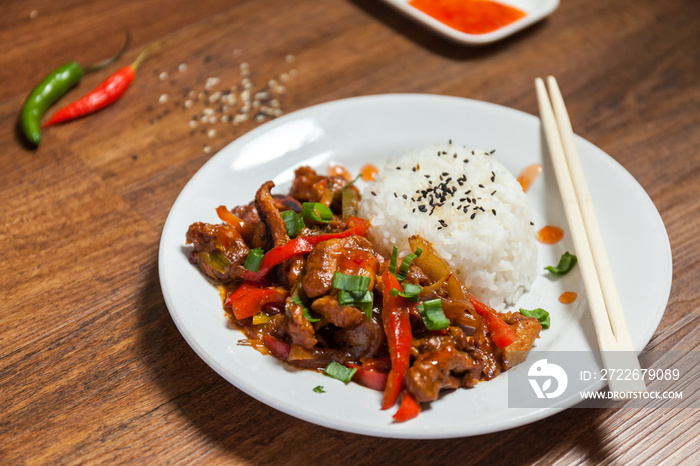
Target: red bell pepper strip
[234,222]
[106,93]
[408,409]
[397,327]
[501,333]
[248,304]
[240,291]
[302,245]
[278,348]
[369,378]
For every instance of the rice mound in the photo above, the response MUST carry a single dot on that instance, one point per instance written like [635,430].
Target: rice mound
[469,206]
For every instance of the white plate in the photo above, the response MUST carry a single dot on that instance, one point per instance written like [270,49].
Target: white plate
[368,130]
[535,10]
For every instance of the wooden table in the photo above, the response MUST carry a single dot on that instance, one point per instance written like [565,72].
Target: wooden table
[93,368]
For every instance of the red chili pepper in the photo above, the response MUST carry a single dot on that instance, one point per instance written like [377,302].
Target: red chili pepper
[249,303]
[301,245]
[408,409]
[397,327]
[501,333]
[106,93]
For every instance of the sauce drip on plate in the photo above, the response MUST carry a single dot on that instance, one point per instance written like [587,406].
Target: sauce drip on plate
[529,175]
[568,297]
[550,235]
[469,16]
[339,170]
[369,172]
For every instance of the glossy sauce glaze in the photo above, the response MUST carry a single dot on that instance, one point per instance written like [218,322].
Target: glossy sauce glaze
[469,16]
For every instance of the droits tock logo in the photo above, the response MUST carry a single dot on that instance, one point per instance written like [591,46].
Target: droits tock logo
[548,372]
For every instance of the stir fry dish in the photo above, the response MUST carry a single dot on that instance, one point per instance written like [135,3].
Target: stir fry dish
[303,283]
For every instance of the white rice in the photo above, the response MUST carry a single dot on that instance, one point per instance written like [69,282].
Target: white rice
[494,254]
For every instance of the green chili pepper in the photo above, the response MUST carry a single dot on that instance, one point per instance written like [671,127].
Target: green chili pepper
[51,88]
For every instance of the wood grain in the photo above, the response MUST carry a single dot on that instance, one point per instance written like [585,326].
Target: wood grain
[93,370]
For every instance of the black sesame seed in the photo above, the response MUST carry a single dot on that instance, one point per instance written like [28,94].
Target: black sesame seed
[493,211]
[395,195]
[494,192]
[450,141]
[398,168]
[465,209]
[473,215]
[494,150]
[404,196]
[531,223]
[445,173]
[422,208]
[413,169]
[373,193]
[405,226]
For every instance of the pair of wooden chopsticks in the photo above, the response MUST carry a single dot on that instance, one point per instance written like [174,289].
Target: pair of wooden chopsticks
[614,341]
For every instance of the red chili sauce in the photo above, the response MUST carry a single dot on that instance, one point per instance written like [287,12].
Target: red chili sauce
[568,297]
[369,172]
[550,235]
[529,175]
[339,170]
[470,16]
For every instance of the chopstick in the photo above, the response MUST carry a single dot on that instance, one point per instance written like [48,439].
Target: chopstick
[614,340]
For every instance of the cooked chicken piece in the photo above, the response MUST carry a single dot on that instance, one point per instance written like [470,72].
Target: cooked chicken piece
[340,316]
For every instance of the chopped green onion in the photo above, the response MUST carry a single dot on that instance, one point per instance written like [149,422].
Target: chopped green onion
[340,372]
[410,291]
[539,314]
[304,310]
[433,317]
[293,221]
[566,263]
[350,183]
[362,299]
[317,212]
[348,204]
[403,271]
[215,259]
[319,389]
[394,259]
[254,259]
[345,282]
